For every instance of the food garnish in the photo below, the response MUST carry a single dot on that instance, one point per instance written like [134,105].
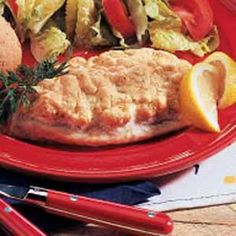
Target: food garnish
[198,98]
[163,24]
[197,16]
[173,41]
[2,6]
[139,17]
[71,18]
[17,88]
[208,86]
[226,71]
[86,18]
[49,44]
[120,20]
[33,15]
[162,14]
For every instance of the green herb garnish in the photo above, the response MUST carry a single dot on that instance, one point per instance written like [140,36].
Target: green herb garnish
[17,88]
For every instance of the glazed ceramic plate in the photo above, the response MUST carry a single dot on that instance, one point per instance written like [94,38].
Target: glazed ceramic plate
[148,159]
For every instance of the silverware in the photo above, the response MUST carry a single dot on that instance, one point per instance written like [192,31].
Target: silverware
[16,224]
[115,216]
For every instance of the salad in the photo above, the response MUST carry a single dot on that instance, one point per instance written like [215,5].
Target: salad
[173,25]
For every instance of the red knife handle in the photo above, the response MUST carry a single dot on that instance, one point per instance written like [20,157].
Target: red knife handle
[124,218]
[15,223]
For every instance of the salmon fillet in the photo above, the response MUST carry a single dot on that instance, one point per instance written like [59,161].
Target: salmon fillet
[117,97]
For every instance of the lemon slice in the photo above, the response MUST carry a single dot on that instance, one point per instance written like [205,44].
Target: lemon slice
[198,97]
[226,76]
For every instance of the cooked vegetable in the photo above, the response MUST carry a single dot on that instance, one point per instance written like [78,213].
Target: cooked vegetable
[49,44]
[171,40]
[139,17]
[86,17]
[34,14]
[117,17]
[197,16]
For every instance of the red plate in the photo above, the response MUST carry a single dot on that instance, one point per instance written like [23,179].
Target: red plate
[137,161]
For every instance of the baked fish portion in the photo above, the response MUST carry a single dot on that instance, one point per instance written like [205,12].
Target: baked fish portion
[117,97]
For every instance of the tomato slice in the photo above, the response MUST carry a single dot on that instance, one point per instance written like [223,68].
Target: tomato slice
[197,16]
[12,4]
[116,15]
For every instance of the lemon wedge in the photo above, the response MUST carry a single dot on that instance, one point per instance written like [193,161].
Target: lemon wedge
[226,75]
[198,97]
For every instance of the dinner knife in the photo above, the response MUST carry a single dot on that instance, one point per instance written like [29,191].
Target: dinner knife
[128,219]
[15,224]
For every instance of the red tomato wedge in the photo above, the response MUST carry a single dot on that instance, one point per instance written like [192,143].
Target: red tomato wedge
[116,15]
[197,16]
[12,4]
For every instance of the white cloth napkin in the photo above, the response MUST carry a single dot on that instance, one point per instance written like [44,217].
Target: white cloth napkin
[213,183]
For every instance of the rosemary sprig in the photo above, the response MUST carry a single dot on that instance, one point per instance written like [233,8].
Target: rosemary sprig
[17,88]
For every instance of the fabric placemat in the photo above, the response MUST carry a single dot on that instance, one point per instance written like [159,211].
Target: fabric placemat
[211,182]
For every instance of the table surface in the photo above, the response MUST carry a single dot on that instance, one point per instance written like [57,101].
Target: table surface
[209,221]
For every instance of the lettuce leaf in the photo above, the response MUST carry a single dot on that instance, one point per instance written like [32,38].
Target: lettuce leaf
[86,18]
[25,9]
[2,7]
[122,42]
[171,40]
[159,11]
[165,31]
[59,18]
[71,18]
[34,14]
[139,17]
[48,44]
[101,35]
[84,24]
